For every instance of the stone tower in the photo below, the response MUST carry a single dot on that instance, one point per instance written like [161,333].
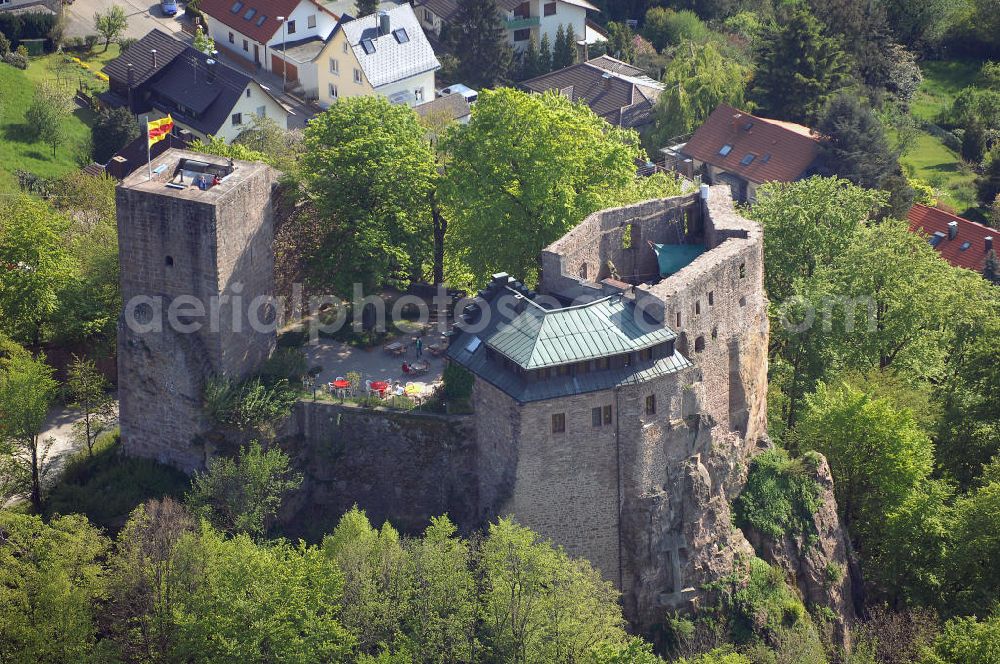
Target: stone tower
[197,275]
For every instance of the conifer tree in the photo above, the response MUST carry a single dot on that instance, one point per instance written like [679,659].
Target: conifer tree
[799,68]
[530,61]
[570,44]
[545,55]
[480,39]
[560,52]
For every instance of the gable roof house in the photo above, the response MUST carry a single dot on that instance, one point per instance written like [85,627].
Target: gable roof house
[744,151]
[386,53]
[961,242]
[251,30]
[618,92]
[524,19]
[159,75]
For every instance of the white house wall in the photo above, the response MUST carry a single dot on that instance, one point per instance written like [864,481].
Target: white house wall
[566,14]
[248,107]
[324,24]
[423,81]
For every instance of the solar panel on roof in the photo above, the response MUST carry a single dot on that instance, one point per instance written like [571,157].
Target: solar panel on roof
[400,35]
[368,45]
[237,6]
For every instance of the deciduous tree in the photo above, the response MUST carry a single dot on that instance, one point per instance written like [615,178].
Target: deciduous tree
[526,169]
[111,24]
[88,389]
[114,129]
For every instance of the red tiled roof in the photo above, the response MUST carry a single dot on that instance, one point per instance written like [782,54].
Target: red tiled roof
[932,220]
[222,11]
[782,151]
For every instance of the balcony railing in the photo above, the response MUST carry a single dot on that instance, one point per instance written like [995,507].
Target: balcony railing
[520,23]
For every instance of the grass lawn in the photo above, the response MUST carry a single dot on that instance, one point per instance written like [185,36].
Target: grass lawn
[930,160]
[17,150]
[943,79]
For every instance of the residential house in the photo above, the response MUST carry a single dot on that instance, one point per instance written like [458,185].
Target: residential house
[386,53]
[961,242]
[159,75]
[251,29]
[446,109]
[744,151]
[52,7]
[618,92]
[524,19]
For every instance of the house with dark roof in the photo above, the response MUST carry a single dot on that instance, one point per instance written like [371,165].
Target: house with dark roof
[524,19]
[744,151]
[961,242]
[159,75]
[386,53]
[255,30]
[618,92]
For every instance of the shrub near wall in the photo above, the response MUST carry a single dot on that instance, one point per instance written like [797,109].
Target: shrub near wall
[17,27]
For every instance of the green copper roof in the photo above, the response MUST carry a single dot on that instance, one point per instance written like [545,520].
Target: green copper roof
[539,338]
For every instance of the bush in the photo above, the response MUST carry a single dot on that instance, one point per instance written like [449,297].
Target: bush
[780,496]
[4,45]
[90,42]
[125,42]
[666,27]
[285,363]
[248,405]
[35,25]
[16,60]
[457,382]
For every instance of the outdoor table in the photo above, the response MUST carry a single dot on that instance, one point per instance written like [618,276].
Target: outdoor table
[379,386]
[395,348]
[341,387]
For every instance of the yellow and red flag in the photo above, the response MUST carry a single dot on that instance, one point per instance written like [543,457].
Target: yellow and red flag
[158,129]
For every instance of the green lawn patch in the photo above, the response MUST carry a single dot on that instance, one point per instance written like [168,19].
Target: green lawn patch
[17,150]
[107,487]
[932,161]
[943,79]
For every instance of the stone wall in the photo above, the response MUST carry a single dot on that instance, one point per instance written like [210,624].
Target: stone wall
[397,466]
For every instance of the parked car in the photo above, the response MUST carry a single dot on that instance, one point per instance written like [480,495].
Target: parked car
[168,7]
[470,95]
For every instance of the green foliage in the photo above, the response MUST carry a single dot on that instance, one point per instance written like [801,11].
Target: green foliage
[878,454]
[697,80]
[50,579]
[285,363]
[27,390]
[514,185]
[378,229]
[781,496]
[976,545]
[976,105]
[114,129]
[564,50]
[968,641]
[458,382]
[249,405]
[621,41]
[111,24]
[974,142]
[667,27]
[765,606]
[202,41]
[798,68]
[47,115]
[242,495]
[88,390]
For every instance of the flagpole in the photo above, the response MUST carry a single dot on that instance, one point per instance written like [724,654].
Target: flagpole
[149,159]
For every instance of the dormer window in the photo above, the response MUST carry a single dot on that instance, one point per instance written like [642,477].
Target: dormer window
[725,149]
[748,159]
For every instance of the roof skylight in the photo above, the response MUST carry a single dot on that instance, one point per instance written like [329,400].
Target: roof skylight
[748,159]
[725,149]
[400,35]
[237,6]
[368,45]
[250,14]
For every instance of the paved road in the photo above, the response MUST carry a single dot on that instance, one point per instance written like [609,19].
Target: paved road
[143,16]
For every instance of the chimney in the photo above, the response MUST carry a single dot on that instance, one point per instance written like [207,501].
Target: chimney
[952,230]
[988,243]
[152,52]
[129,82]
[384,24]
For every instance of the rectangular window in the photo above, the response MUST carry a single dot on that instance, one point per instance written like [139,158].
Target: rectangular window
[523,34]
[550,9]
[725,149]
[262,111]
[645,355]
[595,417]
[428,16]
[334,66]
[248,93]
[333,91]
[559,423]
[246,46]
[607,415]
[311,21]
[418,94]
[345,47]
[651,404]
[711,298]
[232,38]
[697,307]
[291,27]
[357,75]
[237,119]
[678,319]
